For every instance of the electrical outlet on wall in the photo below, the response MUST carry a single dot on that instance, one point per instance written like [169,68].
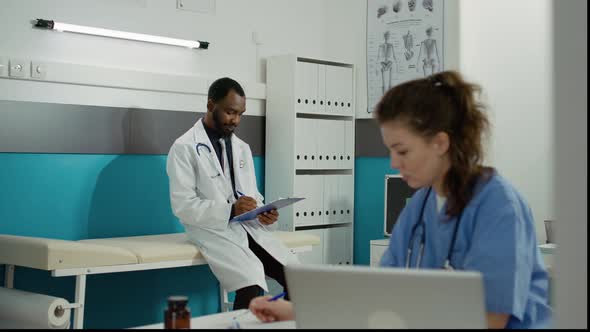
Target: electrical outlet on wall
[38,70]
[19,68]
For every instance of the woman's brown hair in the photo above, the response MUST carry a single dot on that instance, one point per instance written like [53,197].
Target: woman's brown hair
[444,102]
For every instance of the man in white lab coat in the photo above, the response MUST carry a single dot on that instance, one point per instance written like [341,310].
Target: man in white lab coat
[212,179]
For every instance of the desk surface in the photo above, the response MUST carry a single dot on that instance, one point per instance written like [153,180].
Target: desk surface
[224,321]
[548,248]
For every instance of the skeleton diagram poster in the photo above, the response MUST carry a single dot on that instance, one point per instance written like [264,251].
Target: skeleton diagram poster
[404,42]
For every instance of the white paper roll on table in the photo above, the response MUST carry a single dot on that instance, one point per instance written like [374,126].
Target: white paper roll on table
[33,310]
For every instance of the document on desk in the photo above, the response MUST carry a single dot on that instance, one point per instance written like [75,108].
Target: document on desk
[278,204]
[285,325]
[249,321]
[227,320]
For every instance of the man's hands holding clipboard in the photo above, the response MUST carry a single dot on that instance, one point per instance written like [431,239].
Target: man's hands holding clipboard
[268,218]
[245,204]
[245,209]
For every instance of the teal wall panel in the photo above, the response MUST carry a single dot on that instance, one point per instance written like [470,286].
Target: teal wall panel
[369,200]
[80,196]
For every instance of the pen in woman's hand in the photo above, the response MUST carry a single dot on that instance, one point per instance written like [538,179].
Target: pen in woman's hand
[276,297]
[272,299]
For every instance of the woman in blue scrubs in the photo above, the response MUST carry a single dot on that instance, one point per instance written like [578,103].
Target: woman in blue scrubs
[464,216]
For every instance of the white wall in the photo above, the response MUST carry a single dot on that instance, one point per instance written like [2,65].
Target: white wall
[505,50]
[326,29]
[310,28]
[229,29]
[571,169]
[506,46]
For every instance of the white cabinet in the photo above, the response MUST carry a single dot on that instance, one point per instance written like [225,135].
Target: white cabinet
[548,254]
[337,245]
[377,249]
[316,255]
[310,132]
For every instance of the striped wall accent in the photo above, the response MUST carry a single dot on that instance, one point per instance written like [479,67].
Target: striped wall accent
[32,127]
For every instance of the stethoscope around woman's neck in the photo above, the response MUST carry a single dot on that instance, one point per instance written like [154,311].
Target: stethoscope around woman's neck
[420,222]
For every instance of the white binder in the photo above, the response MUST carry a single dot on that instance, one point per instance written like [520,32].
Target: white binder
[346,189]
[332,89]
[302,209]
[323,145]
[349,139]
[348,91]
[300,89]
[300,143]
[312,87]
[306,143]
[331,199]
[312,139]
[345,91]
[321,107]
[318,199]
[337,146]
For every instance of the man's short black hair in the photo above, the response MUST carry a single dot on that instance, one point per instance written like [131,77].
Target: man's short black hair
[221,87]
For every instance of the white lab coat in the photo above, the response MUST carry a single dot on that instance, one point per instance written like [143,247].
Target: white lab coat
[202,197]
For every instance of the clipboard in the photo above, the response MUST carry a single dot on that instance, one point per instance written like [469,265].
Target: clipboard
[278,204]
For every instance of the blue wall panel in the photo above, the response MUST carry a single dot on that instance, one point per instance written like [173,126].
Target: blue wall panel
[84,196]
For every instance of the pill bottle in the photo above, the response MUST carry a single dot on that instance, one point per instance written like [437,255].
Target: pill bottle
[177,315]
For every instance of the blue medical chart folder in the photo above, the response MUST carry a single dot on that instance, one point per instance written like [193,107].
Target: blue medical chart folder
[279,203]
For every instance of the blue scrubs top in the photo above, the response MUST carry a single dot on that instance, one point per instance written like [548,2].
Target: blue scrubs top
[496,237]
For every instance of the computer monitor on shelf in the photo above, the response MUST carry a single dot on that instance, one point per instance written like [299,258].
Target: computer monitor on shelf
[397,194]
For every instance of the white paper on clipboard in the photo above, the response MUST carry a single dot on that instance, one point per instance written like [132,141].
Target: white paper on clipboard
[278,204]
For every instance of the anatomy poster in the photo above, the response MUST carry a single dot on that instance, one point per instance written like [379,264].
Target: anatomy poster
[404,42]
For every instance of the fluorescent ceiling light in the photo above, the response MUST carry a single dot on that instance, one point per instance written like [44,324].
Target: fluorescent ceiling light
[58,26]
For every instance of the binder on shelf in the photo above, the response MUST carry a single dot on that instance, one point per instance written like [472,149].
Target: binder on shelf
[303,188]
[346,189]
[312,86]
[349,147]
[300,87]
[321,108]
[330,198]
[332,89]
[318,203]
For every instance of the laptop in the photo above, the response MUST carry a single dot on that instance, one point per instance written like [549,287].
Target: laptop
[360,297]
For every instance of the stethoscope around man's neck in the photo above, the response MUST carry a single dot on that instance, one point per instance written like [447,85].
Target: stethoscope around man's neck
[420,222]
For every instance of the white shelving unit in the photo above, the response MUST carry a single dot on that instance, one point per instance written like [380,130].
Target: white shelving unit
[310,128]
